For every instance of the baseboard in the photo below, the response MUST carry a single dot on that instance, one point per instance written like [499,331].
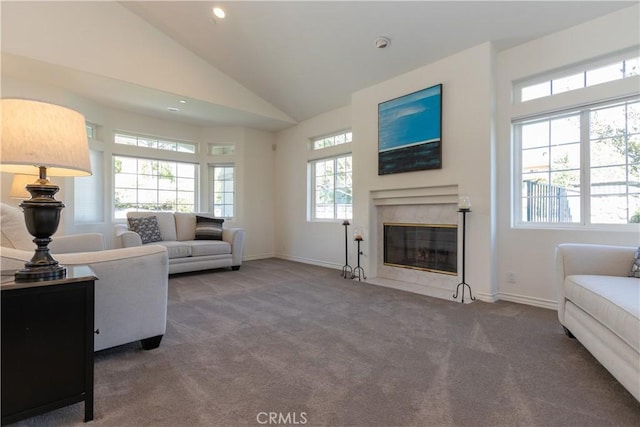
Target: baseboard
[480,296]
[309,261]
[256,257]
[523,299]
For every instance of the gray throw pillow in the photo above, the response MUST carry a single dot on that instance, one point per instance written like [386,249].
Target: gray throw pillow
[147,227]
[635,268]
[208,228]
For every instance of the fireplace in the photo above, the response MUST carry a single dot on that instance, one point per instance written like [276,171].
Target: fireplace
[421,247]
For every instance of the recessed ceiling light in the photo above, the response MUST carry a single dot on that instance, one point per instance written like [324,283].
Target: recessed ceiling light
[219,12]
[182,101]
[174,109]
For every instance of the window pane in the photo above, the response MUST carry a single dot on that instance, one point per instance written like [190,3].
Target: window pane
[565,84]
[536,159]
[565,130]
[536,91]
[632,67]
[535,135]
[613,209]
[565,156]
[607,152]
[605,74]
[608,122]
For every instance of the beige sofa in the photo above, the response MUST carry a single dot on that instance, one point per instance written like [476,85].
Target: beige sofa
[600,306]
[132,285]
[178,231]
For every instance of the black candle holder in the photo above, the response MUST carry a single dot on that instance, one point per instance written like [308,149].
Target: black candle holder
[358,269]
[347,271]
[464,212]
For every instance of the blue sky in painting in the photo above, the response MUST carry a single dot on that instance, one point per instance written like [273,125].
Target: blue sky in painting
[410,120]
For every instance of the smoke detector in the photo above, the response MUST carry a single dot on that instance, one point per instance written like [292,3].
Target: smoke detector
[382,42]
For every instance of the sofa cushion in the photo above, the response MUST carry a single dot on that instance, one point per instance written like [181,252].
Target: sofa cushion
[176,249]
[146,227]
[185,225]
[210,247]
[635,268]
[612,300]
[208,228]
[166,222]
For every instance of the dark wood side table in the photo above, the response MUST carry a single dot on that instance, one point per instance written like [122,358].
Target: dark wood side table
[47,344]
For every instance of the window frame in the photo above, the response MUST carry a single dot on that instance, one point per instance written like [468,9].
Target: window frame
[582,67]
[212,181]
[139,157]
[585,168]
[311,167]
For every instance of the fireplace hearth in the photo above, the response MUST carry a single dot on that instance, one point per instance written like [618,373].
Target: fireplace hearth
[421,247]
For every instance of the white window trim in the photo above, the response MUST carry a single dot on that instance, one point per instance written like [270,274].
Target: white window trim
[559,73]
[311,186]
[212,186]
[516,174]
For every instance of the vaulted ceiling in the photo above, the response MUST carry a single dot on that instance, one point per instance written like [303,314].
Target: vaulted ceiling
[302,58]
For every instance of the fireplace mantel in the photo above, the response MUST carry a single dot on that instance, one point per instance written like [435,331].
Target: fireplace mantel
[432,195]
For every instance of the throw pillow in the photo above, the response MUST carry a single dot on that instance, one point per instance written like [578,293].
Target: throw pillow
[635,268]
[208,228]
[147,227]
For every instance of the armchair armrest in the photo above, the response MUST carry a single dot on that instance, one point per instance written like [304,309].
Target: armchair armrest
[130,293]
[235,236]
[87,242]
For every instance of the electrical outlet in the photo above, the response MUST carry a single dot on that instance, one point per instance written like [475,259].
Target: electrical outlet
[511,277]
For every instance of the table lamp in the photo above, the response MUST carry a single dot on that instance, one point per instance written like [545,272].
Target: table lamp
[19,186]
[44,139]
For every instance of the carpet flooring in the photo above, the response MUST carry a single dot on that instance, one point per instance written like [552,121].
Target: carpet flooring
[284,343]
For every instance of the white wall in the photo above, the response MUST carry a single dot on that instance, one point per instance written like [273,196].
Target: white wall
[529,253]
[467,138]
[467,163]
[297,238]
[253,159]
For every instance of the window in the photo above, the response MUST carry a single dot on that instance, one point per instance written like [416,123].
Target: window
[332,140]
[223,190]
[585,77]
[142,184]
[331,188]
[155,143]
[222,149]
[580,166]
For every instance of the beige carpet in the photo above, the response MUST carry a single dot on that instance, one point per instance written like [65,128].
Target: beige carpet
[296,344]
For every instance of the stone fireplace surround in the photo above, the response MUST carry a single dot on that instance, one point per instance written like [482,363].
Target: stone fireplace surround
[420,205]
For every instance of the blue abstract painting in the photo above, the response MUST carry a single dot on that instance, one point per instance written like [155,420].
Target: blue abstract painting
[409,132]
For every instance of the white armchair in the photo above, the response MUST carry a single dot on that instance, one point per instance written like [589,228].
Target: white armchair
[131,290]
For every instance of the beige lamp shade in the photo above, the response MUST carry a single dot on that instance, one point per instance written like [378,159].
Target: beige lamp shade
[18,190]
[38,134]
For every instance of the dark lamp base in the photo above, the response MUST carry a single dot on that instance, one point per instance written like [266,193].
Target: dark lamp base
[39,274]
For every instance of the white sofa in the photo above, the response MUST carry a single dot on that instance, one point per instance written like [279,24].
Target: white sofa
[178,231]
[599,304]
[132,285]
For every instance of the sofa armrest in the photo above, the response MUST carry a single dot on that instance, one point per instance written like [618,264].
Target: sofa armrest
[126,238]
[589,259]
[235,236]
[581,258]
[87,242]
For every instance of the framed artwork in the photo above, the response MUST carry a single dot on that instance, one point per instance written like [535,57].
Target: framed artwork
[410,132]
